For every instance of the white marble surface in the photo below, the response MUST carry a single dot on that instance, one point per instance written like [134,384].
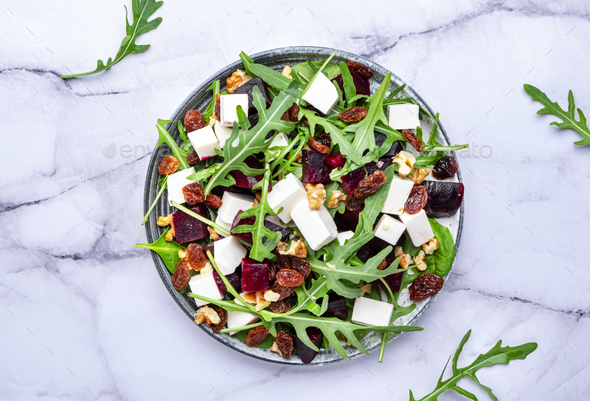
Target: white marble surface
[85,316]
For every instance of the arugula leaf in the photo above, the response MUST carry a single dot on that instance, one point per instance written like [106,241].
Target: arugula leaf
[319,71]
[252,140]
[168,250]
[141,10]
[267,74]
[568,117]
[165,137]
[347,83]
[215,87]
[374,203]
[496,356]
[163,185]
[304,72]
[442,259]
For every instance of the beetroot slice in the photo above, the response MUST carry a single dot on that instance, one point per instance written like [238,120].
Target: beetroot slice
[244,181]
[233,279]
[351,180]
[255,275]
[335,160]
[314,167]
[249,221]
[381,164]
[247,89]
[305,353]
[336,307]
[394,281]
[210,248]
[396,147]
[187,228]
[350,219]
[444,198]
[362,85]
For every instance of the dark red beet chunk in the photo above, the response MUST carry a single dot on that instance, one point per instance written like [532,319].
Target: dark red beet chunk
[336,307]
[351,180]
[255,275]
[247,89]
[315,168]
[362,85]
[394,281]
[249,221]
[444,198]
[305,353]
[187,228]
[210,248]
[219,190]
[244,181]
[381,164]
[350,219]
[335,160]
[396,147]
[365,253]
[233,279]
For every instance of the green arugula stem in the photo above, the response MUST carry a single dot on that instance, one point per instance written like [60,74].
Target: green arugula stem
[153,205]
[242,328]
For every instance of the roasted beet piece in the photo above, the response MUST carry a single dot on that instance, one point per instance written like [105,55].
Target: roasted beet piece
[350,219]
[187,228]
[247,89]
[351,180]
[249,221]
[444,198]
[394,281]
[210,248]
[365,253]
[381,164]
[255,275]
[233,279]
[362,85]
[244,181]
[219,190]
[396,147]
[305,353]
[335,160]
[314,167]
[336,307]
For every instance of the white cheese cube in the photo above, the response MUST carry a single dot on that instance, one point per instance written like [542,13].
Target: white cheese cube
[223,133]
[279,140]
[228,254]
[204,284]
[222,224]
[370,312]
[287,193]
[418,227]
[345,235]
[239,319]
[398,195]
[389,229]
[403,116]
[322,94]
[176,182]
[228,108]
[317,226]
[232,203]
[204,142]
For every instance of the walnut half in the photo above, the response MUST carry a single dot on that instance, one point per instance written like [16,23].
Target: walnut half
[207,315]
[335,197]
[296,249]
[237,79]
[316,195]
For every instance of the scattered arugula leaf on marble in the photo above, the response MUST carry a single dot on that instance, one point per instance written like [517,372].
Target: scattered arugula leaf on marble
[568,117]
[168,250]
[496,356]
[141,10]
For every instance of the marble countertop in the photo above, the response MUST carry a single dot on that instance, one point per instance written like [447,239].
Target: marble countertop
[84,314]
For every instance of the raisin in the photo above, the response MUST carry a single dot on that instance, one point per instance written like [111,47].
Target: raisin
[425,286]
[256,336]
[354,114]
[382,265]
[290,278]
[181,275]
[291,114]
[193,193]
[283,262]
[196,256]
[223,319]
[359,69]
[217,112]
[284,343]
[445,168]
[281,306]
[193,158]
[413,140]
[417,200]
[284,292]
[317,146]
[369,185]
[353,203]
[168,165]
[194,120]
[301,265]
[272,270]
[213,201]
[324,138]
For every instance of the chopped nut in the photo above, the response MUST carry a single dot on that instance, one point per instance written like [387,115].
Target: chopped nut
[207,315]
[335,197]
[170,234]
[249,297]
[164,221]
[207,268]
[287,72]
[213,234]
[212,120]
[182,254]
[261,302]
[419,174]
[296,249]
[431,246]
[398,250]
[405,260]
[316,195]
[237,79]
[218,98]
[298,157]
[271,296]
[275,348]
[405,161]
[419,261]
[367,287]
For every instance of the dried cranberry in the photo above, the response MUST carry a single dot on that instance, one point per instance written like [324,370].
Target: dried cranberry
[194,120]
[223,319]
[445,168]
[413,140]
[256,336]
[353,114]
[181,275]
[193,193]
[425,286]
[417,200]
[290,278]
[284,343]
[168,165]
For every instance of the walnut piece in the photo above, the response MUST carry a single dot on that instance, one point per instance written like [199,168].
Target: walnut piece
[275,348]
[419,261]
[213,234]
[261,302]
[207,315]
[405,260]
[164,221]
[419,174]
[170,234]
[367,287]
[249,297]
[287,72]
[316,195]
[431,246]
[206,269]
[237,79]
[296,249]
[398,250]
[405,161]
[271,296]
[335,197]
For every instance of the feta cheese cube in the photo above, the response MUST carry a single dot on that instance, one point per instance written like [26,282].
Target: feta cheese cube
[317,226]
[222,224]
[232,203]
[204,142]
[389,229]
[228,108]
[418,227]
[204,284]
[403,116]
[322,94]
[397,195]
[279,140]
[345,235]
[176,182]
[239,319]
[286,193]
[223,133]
[370,312]
[228,254]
